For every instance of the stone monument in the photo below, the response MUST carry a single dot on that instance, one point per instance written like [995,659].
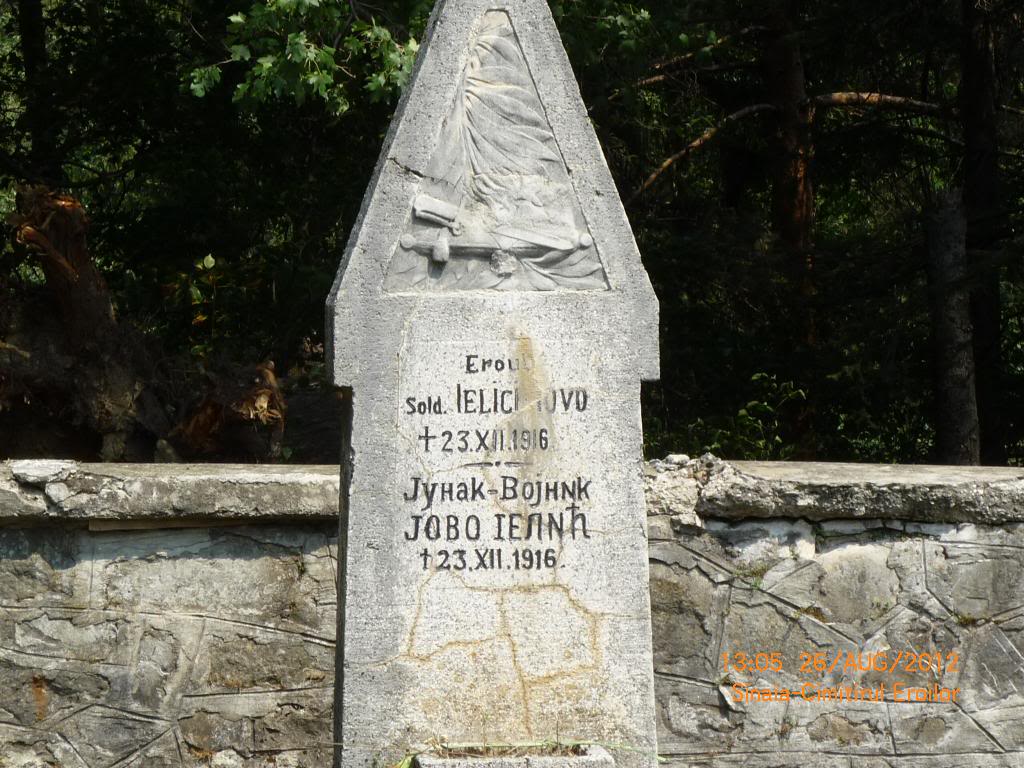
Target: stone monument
[493,322]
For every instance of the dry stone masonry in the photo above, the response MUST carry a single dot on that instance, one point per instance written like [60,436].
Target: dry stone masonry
[159,616]
[493,321]
[925,604]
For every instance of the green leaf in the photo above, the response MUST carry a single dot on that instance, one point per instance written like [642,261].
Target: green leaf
[296,48]
[240,53]
[203,79]
[339,104]
[209,262]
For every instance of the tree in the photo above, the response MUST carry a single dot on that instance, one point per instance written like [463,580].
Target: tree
[957,440]
[986,222]
[895,128]
[225,216]
[779,151]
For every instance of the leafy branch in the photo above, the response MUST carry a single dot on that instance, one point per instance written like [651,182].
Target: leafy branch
[305,50]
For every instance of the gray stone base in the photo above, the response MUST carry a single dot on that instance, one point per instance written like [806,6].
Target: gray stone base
[591,756]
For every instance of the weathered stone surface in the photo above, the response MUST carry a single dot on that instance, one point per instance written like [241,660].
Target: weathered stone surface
[176,647]
[494,321]
[679,491]
[672,492]
[846,589]
[822,491]
[145,492]
[591,756]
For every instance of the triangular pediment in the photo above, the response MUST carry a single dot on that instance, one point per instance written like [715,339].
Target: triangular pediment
[491,199]
[496,208]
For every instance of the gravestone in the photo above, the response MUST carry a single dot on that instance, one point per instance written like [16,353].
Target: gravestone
[493,321]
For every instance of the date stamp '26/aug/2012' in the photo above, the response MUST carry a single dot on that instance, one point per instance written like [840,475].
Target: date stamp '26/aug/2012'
[845,663]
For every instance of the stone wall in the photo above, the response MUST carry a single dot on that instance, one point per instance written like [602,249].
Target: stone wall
[844,561]
[184,616]
[131,637]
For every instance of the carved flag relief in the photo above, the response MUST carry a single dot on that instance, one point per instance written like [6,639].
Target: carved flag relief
[496,209]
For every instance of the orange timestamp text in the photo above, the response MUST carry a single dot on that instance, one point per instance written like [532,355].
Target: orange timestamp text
[825,662]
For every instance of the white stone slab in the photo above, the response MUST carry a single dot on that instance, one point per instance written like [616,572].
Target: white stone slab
[494,321]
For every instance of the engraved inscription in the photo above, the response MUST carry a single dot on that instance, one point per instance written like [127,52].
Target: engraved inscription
[495,478]
[496,209]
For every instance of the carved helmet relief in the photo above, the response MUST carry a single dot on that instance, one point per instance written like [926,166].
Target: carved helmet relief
[495,209]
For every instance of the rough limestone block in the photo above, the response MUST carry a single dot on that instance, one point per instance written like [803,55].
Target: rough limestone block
[494,322]
[842,586]
[195,647]
[139,493]
[672,490]
[820,491]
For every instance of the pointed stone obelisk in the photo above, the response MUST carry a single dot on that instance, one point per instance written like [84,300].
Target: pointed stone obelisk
[493,320]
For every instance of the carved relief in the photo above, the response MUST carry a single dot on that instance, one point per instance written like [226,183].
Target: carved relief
[495,209]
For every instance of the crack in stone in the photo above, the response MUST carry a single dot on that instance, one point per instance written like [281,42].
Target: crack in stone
[505,632]
[418,614]
[406,169]
[711,684]
[141,749]
[129,614]
[177,744]
[18,652]
[927,586]
[980,727]
[269,693]
[74,749]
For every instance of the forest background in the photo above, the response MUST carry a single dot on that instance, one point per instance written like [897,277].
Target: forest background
[828,196]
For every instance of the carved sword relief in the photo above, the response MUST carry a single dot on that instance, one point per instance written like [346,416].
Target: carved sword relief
[496,209]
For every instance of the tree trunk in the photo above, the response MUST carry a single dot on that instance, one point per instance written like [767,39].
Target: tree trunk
[792,187]
[953,356]
[39,120]
[92,376]
[978,101]
[793,199]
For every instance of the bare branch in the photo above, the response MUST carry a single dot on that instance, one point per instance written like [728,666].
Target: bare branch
[656,79]
[4,346]
[681,61]
[880,100]
[665,68]
[699,142]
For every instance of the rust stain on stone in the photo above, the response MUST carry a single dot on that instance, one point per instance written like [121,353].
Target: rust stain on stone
[41,695]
